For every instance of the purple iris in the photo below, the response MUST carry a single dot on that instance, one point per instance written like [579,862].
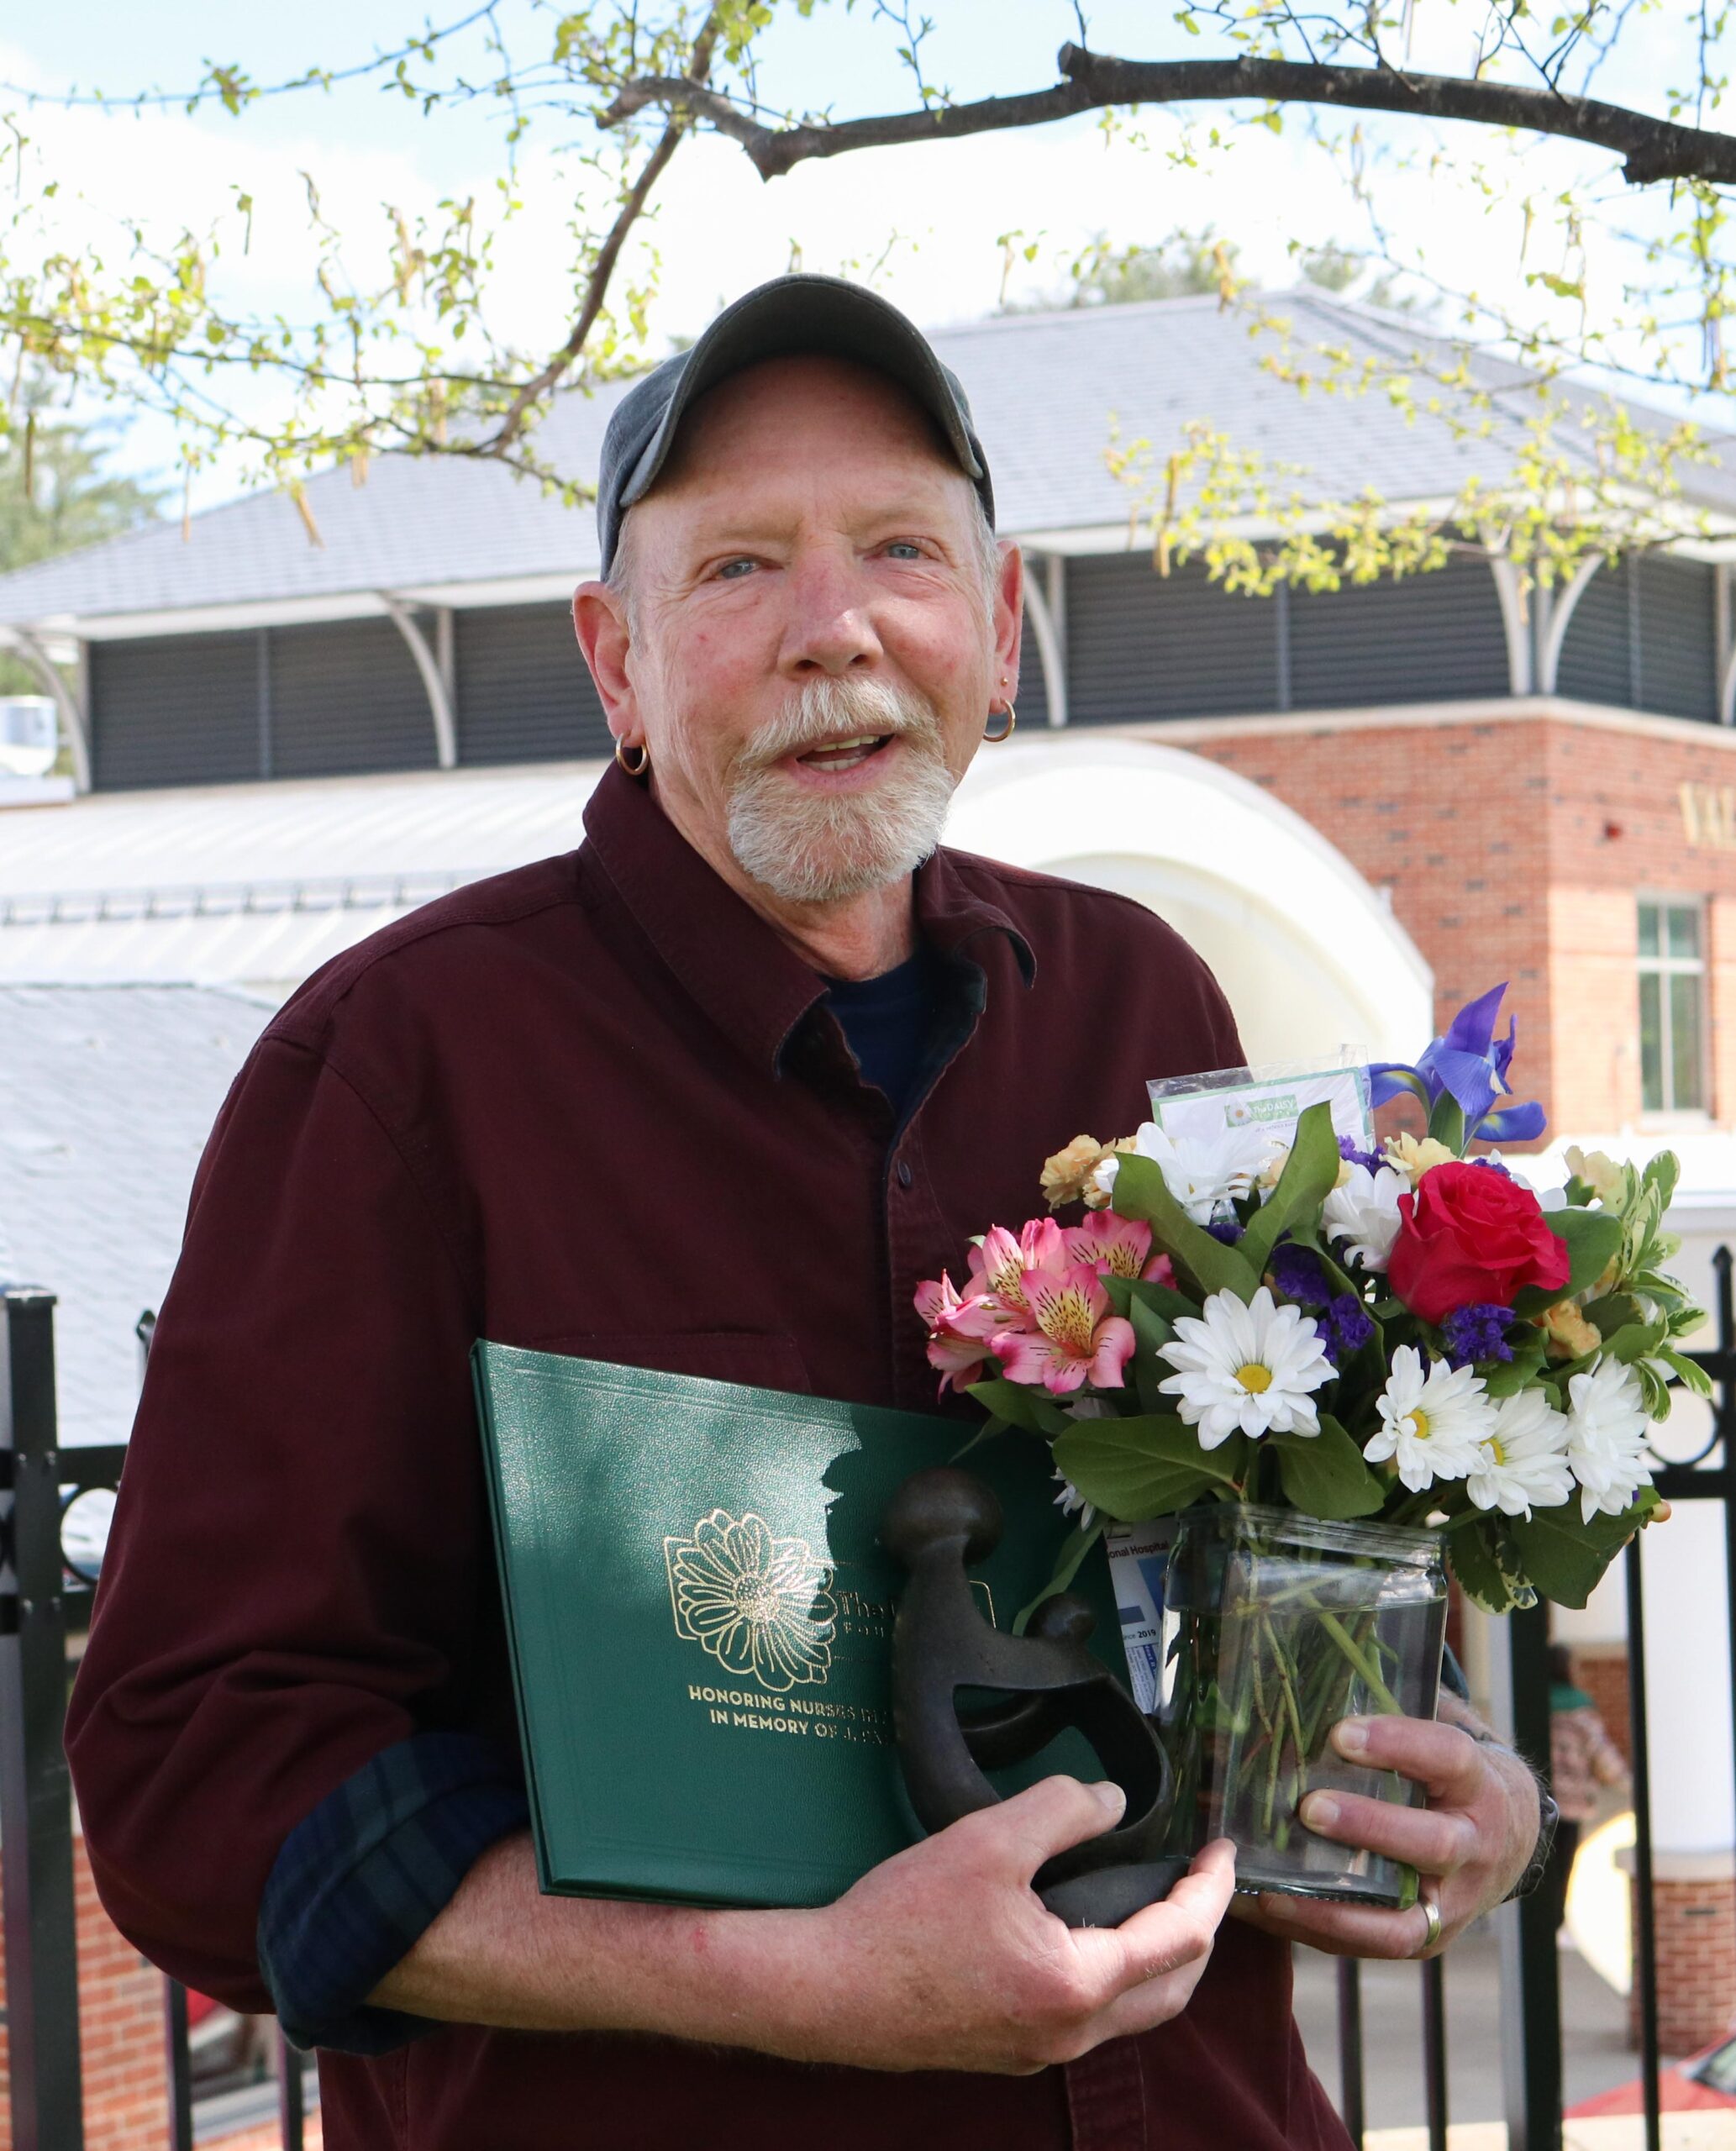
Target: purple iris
[1227,1230]
[1476,1333]
[1370,1160]
[1469,1065]
[1344,1328]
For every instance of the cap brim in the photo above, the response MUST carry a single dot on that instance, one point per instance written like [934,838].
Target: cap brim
[810,313]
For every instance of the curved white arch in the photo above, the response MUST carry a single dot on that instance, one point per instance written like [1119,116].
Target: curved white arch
[1308,953]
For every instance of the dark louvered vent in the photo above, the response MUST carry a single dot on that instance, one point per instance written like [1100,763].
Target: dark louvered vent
[176,709]
[346,697]
[1033,693]
[1678,634]
[1596,663]
[524,692]
[1142,646]
[1423,638]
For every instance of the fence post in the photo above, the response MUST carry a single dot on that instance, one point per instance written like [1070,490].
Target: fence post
[1530,1968]
[36,1792]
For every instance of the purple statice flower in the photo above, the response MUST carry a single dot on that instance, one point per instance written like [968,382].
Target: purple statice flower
[1344,1328]
[1477,1332]
[1370,1161]
[1227,1230]
[1297,1275]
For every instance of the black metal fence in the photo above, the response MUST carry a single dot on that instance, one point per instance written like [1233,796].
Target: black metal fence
[44,1599]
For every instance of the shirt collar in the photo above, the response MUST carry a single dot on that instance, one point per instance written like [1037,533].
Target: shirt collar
[751,984]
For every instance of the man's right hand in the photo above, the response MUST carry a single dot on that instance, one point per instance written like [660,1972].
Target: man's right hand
[944,1957]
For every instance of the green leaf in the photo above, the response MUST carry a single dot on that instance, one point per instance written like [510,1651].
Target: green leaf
[1141,1191]
[1020,1405]
[1594,1239]
[1139,1468]
[1446,1123]
[1151,1331]
[1324,1475]
[1310,1174]
[1164,1300]
[1478,1567]
[1564,1557]
[1692,1376]
[1070,1553]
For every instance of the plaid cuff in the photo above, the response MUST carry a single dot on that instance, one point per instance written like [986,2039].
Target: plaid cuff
[359,1879]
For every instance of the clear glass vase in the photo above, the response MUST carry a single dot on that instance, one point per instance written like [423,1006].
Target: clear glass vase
[1275,1627]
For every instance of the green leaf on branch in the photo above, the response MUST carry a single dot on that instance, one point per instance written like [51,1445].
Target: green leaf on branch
[1163,1299]
[1688,1372]
[1446,1123]
[1020,1405]
[1152,1465]
[1324,1475]
[1594,1239]
[1141,1191]
[1310,1174]
[1565,1558]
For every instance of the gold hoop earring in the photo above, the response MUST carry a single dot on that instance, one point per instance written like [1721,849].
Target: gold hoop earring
[633,769]
[994,738]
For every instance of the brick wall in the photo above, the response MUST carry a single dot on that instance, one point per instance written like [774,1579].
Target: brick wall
[1513,846]
[120,2022]
[1602,1670]
[1695,1923]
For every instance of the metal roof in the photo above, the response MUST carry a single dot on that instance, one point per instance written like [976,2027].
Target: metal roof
[106,1096]
[261,883]
[1048,391]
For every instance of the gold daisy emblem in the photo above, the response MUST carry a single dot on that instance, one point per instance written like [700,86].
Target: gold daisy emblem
[761,1605]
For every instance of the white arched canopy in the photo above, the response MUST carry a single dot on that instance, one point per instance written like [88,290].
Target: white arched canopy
[1309,954]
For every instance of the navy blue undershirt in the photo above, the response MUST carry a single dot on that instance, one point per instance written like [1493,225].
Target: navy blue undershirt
[888,1022]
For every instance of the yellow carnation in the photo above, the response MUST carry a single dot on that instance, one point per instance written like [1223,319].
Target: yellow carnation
[1600,1173]
[1067,1175]
[1571,1335]
[1407,1155]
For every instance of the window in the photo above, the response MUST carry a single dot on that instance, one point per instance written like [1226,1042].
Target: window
[1672,1007]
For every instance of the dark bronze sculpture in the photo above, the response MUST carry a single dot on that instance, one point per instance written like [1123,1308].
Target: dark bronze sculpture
[940,1523]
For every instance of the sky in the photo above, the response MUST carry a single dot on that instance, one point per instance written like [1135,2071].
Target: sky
[929,224]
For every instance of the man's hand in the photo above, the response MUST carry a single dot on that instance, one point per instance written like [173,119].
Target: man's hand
[943,1957]
[948,1960]
[1469,1845]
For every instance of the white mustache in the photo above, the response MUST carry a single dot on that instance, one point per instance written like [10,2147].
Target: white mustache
[827,710]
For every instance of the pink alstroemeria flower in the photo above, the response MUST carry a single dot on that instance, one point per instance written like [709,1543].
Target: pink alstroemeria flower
[958,1329]
[1077,1338]
[1118,1247]
[998,1266]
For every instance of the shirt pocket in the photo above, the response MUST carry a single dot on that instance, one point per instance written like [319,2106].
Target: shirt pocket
[760,1359]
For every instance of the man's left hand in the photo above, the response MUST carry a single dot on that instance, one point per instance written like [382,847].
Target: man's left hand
[1469,1845]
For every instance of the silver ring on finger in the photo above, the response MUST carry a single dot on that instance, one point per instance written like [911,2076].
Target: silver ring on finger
[1431,1912]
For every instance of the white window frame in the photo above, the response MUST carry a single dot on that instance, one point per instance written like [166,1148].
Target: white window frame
[1666,967]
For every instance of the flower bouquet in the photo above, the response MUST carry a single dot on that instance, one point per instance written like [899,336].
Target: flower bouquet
[1329,1374]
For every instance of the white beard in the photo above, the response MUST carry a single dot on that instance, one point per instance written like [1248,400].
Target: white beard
[806,848]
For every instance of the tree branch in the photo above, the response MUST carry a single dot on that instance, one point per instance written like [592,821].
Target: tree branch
[1650,149]
[597,284]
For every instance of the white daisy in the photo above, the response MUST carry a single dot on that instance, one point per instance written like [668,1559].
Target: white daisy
[1524,1460]
[1434,1422]
[1071,1502]
[1202,1171]
[1363,1210]
[1606,1443]
[1246,1369]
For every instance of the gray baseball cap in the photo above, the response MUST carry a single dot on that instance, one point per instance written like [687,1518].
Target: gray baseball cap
[791,314]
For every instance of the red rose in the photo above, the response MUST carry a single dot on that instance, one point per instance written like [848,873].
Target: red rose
[1471,1237]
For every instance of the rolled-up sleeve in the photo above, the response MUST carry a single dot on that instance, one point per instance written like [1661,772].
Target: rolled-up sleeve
[299,1579]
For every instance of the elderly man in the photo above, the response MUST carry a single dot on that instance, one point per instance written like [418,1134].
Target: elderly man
[711,1094]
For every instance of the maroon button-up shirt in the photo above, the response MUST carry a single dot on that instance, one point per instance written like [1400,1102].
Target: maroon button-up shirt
[591,1106]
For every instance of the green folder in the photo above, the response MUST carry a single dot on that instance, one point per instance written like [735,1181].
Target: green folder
[700,1619]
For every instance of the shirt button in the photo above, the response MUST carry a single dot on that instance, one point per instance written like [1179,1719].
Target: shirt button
[905,1175]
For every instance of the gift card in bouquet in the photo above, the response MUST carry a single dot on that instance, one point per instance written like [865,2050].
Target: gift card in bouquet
[1267,1101]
